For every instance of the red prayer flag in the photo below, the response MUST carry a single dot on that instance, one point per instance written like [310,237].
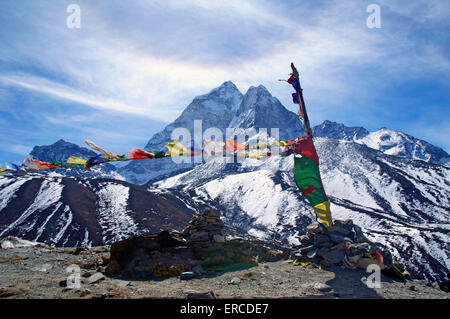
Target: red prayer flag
[304,145]
[136,153]
[231,145]
[43,166]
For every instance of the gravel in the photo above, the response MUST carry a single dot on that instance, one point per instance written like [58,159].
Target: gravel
[36,272]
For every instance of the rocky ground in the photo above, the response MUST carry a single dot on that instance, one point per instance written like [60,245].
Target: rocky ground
[44,272]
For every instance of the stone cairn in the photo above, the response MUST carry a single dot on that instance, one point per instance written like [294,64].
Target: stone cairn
[218,246]
[203,243]
[204,229]
[343,244]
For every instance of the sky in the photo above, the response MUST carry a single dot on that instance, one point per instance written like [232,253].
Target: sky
[133,66]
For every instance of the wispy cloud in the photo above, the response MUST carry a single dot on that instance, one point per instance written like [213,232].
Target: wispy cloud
[59,91]
[149,59]
[121,63]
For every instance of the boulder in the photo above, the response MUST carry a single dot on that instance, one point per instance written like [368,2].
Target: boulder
[339,230]
[14,242]
[322,251]
[201,295]
[95,278]
[344,223]
[312,254]
[187,275]
[363,263]
[334,256]
[314,228]
[322,241]
[336,238]
[305,250]
[42,267]
[322,287]
[359,235]
[305,241]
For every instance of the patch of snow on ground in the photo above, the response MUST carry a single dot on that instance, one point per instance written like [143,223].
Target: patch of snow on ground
[115,220]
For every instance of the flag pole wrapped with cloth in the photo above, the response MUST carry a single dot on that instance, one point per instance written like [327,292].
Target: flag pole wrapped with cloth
[306,162]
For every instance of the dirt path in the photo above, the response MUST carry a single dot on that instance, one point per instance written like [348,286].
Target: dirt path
[42,273]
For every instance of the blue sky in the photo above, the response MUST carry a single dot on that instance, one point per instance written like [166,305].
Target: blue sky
[133,66]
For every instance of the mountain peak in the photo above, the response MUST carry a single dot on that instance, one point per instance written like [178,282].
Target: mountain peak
[259,109]
[215,109]
[339,131]
[258,90]
[226,90]
[386,140]
[228,84]
[257,96]
[60,151]
[61,142]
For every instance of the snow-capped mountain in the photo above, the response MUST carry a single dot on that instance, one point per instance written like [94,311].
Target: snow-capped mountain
[400,203]
[385,140]
[215,109]
[339,131]
[68,211]
[260,110]
[244,116]
[60,151]
[400,144]
[222,108]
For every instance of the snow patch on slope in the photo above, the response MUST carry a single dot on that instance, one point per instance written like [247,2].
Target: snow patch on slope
[63,223]
[262,207]
[8,192]
[115,219]
[49,193]
[42,228]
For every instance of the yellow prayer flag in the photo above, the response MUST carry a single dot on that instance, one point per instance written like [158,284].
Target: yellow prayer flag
[76,160]
[175,148]
[323,213]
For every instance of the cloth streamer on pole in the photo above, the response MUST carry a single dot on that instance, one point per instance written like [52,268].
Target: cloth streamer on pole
[306,162]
